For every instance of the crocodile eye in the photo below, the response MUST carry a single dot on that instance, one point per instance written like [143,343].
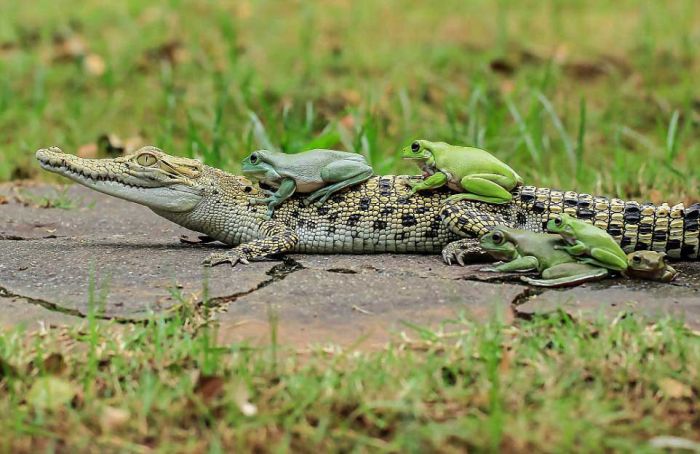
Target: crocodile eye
[415,147]
[497,237]
[146,159]
[254,158]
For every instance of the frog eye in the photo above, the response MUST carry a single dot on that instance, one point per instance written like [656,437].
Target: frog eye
[415,147]
[146,159]
[497,237]
[636,259]
[557,221]
[254,158]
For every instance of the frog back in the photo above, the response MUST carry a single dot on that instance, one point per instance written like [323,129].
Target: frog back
[307,165]
[540,246]
[463,161]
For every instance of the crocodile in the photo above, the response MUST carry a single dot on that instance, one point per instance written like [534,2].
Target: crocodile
[376,216]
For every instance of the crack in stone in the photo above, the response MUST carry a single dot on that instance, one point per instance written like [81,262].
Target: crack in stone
[342,271]
[21,238]
[276,273]
[53,307]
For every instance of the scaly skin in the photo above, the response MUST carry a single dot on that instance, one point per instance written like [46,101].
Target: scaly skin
[322,172]
[475,173]
[523,250]
[377,215]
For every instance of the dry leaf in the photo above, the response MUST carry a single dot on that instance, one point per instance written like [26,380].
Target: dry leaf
[112,418]
[348,121]
[94,65]
[674,389]
[54,364]
[3,200]
[172,52]
[209,387]
[502,66]
[351,96]
[68,48]
[50,392]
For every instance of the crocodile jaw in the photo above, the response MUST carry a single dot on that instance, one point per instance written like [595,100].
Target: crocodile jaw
[109,176]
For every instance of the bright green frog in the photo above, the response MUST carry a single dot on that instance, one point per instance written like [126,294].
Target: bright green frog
[523,250]
[320,172]
[474,173]
[588,243]
[649,265]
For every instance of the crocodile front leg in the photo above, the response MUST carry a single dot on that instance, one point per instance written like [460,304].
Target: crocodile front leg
[277,238]
[470,220]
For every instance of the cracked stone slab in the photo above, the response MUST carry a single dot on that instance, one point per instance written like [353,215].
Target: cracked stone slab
[403,265]
[314,306]
[20,312]
[130,278]
[649,300]
[87,217]
[134,256]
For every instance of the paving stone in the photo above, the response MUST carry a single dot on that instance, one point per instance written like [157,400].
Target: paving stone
[347,307]
[649,300]
[136,262]
[16,312]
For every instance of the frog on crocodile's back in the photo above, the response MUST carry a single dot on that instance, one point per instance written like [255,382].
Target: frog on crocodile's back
[588,243]
[320,172]
[476,174]
[523,251]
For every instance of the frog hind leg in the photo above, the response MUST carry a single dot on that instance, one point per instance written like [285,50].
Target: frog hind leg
[521,264]
[485,188]
[341,174]
[567,275]
[601,257]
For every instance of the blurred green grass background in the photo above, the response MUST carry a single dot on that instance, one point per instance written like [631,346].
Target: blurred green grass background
[596,96]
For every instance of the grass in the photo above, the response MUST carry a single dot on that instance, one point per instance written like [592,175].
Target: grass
[592,95]
[546,385]
[598,93]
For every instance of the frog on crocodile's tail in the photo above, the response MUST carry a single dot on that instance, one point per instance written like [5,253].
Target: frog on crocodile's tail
[376,215]
[474,173]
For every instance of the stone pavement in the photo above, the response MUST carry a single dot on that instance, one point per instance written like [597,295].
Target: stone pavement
[127,263]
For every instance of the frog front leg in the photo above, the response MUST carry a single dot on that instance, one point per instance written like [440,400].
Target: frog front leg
[484,187]
[575,249]
[285,191]
[434,181]
[341,174]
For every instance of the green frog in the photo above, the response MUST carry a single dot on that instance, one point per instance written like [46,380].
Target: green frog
[474,173]
[588,243]
[318,172]
[522,251]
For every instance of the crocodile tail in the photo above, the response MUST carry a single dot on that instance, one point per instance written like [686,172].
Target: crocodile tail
[635,226]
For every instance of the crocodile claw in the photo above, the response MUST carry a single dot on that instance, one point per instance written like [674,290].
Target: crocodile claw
[463,252]
[232,257]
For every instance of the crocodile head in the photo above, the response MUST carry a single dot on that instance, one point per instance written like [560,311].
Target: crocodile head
[148,177]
